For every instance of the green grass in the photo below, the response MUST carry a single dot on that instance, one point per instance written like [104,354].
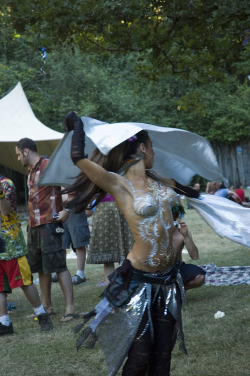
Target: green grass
[215,347]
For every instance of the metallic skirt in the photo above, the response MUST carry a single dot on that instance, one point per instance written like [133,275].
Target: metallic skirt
[116,328]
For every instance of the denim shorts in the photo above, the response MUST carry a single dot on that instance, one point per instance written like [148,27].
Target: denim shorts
[45,251]
[76,230]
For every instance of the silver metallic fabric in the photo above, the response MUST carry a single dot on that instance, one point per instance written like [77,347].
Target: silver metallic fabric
[227,218]
[179,154]
[116,328]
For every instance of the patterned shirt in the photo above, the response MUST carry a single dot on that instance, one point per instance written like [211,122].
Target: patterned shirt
[12,243]
[44,201]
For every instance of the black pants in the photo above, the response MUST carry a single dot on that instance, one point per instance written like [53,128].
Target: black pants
[152,358]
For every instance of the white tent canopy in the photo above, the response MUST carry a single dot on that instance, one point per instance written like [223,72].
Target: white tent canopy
[17,120]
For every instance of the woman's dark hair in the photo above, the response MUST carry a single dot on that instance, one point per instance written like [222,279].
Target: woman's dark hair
[222,185]
[84,190]
[238,185]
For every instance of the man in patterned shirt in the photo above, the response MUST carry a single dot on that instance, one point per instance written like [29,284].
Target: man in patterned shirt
[45,252]
[14,268]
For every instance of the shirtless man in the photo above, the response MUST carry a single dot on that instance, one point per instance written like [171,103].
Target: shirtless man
[192,275]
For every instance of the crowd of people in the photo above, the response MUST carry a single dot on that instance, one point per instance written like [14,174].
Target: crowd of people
[137,222]
[236,194]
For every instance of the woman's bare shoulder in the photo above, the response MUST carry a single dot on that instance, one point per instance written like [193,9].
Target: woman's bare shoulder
[166,181]
[121,183]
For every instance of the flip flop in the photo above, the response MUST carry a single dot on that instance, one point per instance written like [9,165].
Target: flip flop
[69,317]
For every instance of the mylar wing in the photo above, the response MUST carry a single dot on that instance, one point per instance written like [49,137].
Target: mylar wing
[179,154]
[227,219]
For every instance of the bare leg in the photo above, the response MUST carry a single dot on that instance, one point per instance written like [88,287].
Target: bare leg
[108,269]
[196,282]
[3,304]
[45,286]
[32,295]
[81,258]
[79,277]
[5,323]
[67,289]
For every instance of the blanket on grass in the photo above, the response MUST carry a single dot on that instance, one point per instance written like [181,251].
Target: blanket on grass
[226,275]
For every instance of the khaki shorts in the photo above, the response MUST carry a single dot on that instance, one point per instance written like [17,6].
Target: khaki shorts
[45,252]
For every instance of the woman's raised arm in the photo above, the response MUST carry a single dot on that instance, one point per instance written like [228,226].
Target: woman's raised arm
[109,182]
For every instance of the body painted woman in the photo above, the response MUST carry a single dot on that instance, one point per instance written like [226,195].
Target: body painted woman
[143,300]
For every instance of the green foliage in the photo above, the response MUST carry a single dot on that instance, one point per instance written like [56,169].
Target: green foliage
[198,39]
[172,64]
[218,112]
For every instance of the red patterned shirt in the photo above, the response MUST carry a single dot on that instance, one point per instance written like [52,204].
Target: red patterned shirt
[44,201]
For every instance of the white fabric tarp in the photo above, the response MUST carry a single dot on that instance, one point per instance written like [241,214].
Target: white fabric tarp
[179,154]
[17,120]
[225,217]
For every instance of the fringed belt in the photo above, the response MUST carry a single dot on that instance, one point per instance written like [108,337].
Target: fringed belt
[125,280]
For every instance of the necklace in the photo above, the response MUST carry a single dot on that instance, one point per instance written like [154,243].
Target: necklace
[135,158]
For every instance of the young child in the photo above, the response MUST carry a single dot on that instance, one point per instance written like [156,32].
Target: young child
[192,275]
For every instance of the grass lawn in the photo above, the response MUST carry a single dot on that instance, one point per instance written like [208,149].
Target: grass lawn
[216,347]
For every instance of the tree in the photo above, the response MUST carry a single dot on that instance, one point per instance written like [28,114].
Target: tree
[197,39]
[103,71]
[217,111]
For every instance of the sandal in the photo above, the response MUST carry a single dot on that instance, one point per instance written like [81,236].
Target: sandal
[76,280]
[69,317]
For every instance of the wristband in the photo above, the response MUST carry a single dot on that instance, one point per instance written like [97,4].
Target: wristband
[67,210]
